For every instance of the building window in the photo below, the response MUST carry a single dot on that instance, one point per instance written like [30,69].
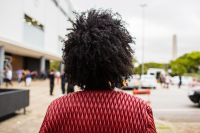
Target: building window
[32,22]
[33,35]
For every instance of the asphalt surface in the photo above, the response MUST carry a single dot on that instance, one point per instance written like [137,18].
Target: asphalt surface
[172,105]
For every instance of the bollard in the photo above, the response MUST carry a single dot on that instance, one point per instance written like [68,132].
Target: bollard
[143,92]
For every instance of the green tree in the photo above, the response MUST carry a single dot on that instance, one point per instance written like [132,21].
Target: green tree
[55,65]
[188,63]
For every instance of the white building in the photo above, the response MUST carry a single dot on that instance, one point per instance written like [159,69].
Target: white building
[31,32]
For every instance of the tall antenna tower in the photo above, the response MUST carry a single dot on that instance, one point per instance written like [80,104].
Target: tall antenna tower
[174,47]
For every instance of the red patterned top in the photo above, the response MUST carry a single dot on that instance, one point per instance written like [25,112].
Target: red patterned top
[98,112]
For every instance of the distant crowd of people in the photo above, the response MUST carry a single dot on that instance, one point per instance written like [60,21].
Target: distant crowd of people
[165,81]
[56,75]
[25,76]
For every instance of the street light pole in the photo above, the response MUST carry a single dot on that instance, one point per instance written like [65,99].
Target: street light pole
[143,34]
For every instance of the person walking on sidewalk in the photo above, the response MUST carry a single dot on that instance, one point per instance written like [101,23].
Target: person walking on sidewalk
[51,81]
[96,55]
[19,75]
[57,77]
[8,76]
[180,81]
[28,78]
[63,82]
[70,88]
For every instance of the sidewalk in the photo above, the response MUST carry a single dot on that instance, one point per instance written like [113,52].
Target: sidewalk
[39,101]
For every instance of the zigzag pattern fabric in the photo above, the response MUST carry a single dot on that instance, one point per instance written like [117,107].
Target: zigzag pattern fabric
[98,112]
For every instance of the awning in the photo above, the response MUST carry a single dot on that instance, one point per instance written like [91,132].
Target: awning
[20,49]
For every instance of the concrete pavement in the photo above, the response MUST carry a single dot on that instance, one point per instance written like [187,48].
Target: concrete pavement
[40,99]
[31,121]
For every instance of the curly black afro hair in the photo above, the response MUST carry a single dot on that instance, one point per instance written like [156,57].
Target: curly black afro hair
[96,51]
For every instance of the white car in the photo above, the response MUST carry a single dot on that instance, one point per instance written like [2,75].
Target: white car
[132,83]
[148,81]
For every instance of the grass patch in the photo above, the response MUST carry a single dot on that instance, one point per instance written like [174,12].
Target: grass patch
[162,127]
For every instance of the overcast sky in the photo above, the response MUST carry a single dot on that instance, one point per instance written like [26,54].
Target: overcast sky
[163,18]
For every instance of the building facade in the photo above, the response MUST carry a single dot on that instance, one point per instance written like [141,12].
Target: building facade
[31,32]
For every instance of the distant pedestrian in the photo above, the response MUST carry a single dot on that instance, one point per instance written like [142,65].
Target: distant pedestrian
[19,75]
[63,83]
[162,80]
[180,81]
[70,88]
[43,75]
[167,81]
[57,74]
[24,77]
[51,81]
[34,74]
[8,78]
[28,78]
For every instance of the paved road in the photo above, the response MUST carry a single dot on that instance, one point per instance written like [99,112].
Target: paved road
[173,105]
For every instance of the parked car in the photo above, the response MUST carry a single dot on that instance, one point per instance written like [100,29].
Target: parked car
[132,82]
[148,81]
[194,95]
